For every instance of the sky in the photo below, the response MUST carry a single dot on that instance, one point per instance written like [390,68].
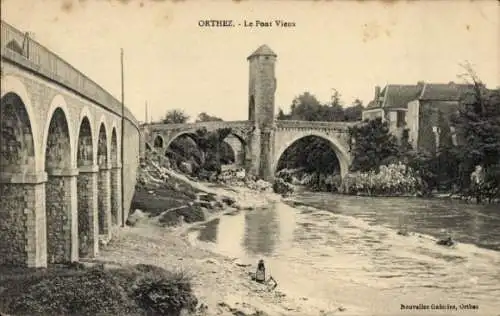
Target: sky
[170,62]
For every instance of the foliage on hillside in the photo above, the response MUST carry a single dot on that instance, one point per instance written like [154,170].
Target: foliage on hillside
[201,151]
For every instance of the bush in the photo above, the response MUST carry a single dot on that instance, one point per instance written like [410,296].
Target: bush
[95,292]
[190,214]
[137,291]
[286,175]
[165,294]
[282,187]
[391,180]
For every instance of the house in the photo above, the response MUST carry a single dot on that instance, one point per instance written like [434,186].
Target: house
[424,109]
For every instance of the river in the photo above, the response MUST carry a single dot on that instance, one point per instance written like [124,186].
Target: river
[346,250]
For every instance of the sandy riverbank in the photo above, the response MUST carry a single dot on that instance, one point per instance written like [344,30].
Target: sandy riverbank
[221,283]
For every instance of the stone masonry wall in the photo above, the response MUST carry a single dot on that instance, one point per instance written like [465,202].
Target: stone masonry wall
[104,202]
[37,228]
[60,215]
[87,214]
[22,228]
[13,228]
[130,164]
[429,114]
[265,86]
[253,162]
[116,196]
[266,139]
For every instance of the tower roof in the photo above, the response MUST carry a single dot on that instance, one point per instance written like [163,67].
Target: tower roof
[263,50]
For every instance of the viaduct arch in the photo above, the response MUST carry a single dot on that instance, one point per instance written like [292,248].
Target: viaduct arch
[61,187]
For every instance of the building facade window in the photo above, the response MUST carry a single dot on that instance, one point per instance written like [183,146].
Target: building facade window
[401,119]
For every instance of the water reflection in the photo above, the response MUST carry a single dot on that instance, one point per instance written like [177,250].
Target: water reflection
[261,232]
[209,231]
[252,234]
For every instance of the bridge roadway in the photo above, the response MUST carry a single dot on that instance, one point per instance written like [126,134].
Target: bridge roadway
[61,163]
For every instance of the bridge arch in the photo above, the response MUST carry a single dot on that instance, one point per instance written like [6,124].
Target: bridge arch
[18,156]
[238,146]
[158,141]
[175,136]
[335,144]
[115,128]
[59,188]
[82,141]
[86,193]
[59,104]
[12,84]
[115,180]
[102,123]
[103,183]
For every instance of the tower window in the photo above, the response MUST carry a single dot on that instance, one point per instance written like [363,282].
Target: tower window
[251,108]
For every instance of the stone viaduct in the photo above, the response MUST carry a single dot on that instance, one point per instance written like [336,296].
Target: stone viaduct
[64,181]
[259,142]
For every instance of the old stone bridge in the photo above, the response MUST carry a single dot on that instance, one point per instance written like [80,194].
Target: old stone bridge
[64,180]
[260,159]
[259,142]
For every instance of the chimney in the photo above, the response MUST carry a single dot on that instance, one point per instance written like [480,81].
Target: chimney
[377,93]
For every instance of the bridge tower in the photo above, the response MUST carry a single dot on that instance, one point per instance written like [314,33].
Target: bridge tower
[262,87]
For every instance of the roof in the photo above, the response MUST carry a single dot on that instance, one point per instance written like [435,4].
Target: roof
[398,96]
[444,92]
[371,104]
[377,103]
[263,50]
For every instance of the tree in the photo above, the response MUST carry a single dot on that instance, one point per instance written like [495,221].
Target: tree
[306,107]
[333,111]
[281,115]
[373,145]
[204,117]
[353,113]
[478,125]
[211,145]
[175,116]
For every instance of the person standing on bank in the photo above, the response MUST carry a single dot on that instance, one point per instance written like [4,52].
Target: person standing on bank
[260,274]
